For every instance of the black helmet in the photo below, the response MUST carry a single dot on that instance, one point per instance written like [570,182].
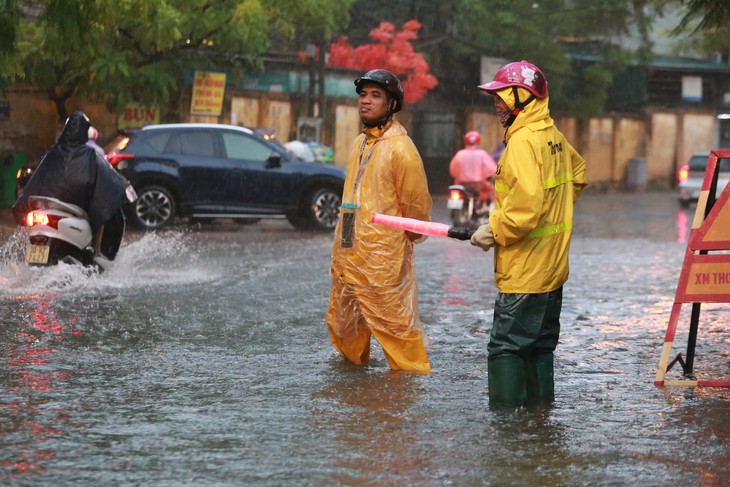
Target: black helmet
[387,80]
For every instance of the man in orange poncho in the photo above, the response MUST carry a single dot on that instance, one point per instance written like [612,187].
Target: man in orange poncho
[374,286]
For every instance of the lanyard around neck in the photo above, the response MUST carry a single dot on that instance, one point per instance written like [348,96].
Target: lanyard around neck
[362,164]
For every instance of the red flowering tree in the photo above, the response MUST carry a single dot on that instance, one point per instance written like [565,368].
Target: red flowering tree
[393,52]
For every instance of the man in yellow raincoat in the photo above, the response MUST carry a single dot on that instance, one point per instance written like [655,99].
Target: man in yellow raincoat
[374,286]
[538,180]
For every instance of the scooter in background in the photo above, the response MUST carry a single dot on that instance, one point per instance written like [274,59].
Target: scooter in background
[466,211]
[59,232]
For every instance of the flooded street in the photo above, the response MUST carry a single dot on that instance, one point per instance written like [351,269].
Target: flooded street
[202,358]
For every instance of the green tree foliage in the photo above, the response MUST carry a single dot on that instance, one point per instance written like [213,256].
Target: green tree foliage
[708,14]
[121,51]
[298,22]
[10,63]
[706,26]
[457,33]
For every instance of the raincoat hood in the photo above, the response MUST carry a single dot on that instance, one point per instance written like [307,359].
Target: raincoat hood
[535,111]
[76,130]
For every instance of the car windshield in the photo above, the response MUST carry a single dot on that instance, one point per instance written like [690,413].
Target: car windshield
[698,163]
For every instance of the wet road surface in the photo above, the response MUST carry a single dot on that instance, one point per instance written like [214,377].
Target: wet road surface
[202,358]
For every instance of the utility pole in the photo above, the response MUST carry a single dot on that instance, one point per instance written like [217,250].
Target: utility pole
[321,82]
[311,56]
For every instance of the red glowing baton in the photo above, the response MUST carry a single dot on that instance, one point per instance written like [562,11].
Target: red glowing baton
[421,227]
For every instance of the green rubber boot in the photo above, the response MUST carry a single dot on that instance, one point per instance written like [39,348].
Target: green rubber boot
[540,379]
[506,379]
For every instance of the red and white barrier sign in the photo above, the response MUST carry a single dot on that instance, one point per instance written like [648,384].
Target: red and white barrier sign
[705,277]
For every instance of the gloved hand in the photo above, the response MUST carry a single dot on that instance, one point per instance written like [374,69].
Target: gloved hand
[483,237]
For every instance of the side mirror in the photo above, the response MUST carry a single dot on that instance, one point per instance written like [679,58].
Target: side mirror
[274,160]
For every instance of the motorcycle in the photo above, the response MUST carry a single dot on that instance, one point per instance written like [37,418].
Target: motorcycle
[466,211]
[59,232]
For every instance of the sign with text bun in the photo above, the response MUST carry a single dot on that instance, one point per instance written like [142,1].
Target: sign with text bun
[208,90]
[705,276]
[135,116]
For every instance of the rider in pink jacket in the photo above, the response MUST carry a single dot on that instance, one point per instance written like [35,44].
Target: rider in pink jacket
[472,167]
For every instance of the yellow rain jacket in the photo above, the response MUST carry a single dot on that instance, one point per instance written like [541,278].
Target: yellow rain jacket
[538,179]
[374,286]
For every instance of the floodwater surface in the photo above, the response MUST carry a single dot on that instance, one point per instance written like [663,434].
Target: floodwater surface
[202,358]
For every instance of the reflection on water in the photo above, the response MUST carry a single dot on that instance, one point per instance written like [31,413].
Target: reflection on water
[46,313]
[202,358]
[29,378]
[682,226]
[380,407]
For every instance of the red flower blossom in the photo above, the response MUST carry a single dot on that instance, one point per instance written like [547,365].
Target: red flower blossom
[393,52]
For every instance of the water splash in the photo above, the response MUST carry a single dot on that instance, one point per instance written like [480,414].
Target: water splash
[152,260]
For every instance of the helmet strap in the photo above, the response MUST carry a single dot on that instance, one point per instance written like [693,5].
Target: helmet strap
[519,105]
[391,110]
[382,122]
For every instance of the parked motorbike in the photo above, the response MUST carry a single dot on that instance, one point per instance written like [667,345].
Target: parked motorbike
[59,232]
[466,211]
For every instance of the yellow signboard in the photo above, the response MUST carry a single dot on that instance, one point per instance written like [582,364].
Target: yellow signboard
[208,90]
[714,232]
[708,280]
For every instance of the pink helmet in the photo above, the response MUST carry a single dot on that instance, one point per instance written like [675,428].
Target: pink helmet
[520,73]
[472,138]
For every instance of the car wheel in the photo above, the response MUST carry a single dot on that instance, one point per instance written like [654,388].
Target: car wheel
[322,211]
[154,208]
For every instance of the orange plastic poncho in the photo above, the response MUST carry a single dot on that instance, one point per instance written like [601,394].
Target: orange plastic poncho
[374,285]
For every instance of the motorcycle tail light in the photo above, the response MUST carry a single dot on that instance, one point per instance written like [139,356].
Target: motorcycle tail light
[683,173]
[38,218]
[455,194]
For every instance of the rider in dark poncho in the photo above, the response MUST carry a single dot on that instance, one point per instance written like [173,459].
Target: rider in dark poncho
[75,173]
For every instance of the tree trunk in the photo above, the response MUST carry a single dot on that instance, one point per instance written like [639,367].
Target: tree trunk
[60,98]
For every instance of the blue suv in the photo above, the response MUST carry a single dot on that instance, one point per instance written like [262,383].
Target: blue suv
[208,171]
